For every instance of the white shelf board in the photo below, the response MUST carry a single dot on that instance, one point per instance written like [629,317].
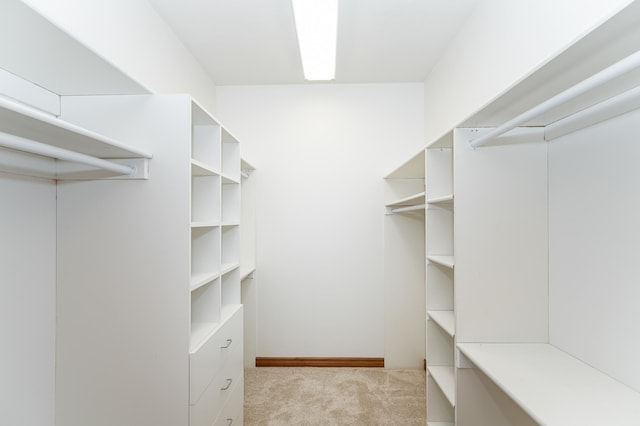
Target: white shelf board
[411,200]
[245,273]
[445,319]
[445,378]
[206,224]
[553,387]
[447,261]
[198,168]
[413,168]
[444,141]
[29,123]
[228,267]
[230,224]
[198,280]
[439,424]
[446,200]
[200,333]
[228,179]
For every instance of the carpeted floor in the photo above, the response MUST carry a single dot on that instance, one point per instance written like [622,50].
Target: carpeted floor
[334,396]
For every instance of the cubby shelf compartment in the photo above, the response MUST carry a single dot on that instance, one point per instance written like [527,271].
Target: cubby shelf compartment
[205,251]
[204,316]
[230,203]
[205,198]
[198,280]
[205,140]
[445,379]
[447,261]
[553,387]
[445,319]
[230,157]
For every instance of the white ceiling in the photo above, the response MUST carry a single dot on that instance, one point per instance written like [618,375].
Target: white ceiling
[254,41]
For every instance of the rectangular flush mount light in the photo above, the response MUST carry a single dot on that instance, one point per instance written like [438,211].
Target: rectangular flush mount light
[317,28]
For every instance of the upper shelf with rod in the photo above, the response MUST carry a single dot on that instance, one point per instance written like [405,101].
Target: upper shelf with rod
[593,80]
[29,130]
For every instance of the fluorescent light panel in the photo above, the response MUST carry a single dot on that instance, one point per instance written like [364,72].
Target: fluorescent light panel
[317,28]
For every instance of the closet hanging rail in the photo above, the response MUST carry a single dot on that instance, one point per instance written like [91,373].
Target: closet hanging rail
[614,71]
[408,209]
[27,145]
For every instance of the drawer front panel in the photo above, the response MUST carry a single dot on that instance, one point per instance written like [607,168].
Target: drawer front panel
[232,413]
[215,397]
[209,359]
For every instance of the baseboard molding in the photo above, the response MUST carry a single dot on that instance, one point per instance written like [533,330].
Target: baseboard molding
[319,362]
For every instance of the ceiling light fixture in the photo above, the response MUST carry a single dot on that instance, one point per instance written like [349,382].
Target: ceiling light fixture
[317,28]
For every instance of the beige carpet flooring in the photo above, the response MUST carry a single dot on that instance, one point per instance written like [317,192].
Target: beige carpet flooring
[334,396]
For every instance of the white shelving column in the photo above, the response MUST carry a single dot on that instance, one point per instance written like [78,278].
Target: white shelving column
[441,392]
[404,265]
[249,294]
[216,349]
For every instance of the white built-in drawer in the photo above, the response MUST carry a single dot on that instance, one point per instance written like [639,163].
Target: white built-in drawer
[205,363]
[232,413]
[215,398]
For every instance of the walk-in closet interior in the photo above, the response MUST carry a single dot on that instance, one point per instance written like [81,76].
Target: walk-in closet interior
[173,214]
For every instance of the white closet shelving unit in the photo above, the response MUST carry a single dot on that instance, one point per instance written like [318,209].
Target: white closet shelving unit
[216,344]
[404,264]
[534,328]
[141,312]
[441,392]
[546,202]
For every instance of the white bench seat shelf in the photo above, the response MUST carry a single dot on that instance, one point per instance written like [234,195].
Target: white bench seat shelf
[553,387]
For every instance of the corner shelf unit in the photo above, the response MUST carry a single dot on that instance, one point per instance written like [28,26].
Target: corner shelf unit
[440,335]
[405,202]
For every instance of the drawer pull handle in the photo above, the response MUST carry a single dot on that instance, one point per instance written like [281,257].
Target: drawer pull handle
[229,341]
[228,385]
[229,422]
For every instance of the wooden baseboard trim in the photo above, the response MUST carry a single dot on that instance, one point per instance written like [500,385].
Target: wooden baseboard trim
[319,362]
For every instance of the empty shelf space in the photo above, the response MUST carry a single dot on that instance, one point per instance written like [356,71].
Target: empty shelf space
[203,224]
[229,179]
[445,319]
[228,267]
[447,261]
[445,200]
[198,280]
[445,378]
[412,200]
[553,387]
[198,168]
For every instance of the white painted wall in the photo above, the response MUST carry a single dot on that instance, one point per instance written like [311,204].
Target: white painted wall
[132,36]
[320,153]
[594,236]
[27,300]
[502,42]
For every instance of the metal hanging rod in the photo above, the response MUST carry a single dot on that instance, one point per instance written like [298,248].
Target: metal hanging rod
[27,145]
[408,208]
[614,71]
